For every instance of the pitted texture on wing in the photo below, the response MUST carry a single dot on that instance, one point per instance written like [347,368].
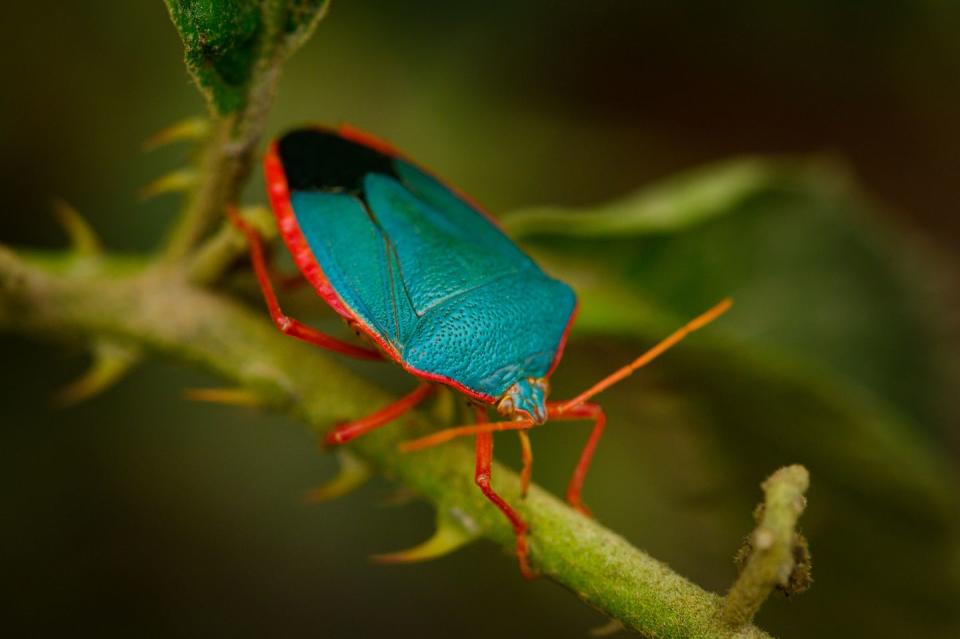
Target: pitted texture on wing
[500,333]
[470,222]
[443,252]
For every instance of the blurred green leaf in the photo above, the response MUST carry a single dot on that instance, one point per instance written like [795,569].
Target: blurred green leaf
[829,357]
[226,40]
[671,205]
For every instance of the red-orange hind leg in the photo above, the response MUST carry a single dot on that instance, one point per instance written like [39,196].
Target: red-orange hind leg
[482,478]
[583,411]
[526,455]
[289,325]
[347,431]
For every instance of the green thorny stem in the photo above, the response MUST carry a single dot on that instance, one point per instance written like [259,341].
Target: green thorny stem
[121,307]
[126,301]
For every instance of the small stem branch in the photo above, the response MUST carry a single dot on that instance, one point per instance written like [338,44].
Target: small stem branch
[163,313]
[227,159]
[771,546]
[209,262]
[221,173]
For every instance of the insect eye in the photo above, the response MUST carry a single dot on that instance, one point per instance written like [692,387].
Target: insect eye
[506,406]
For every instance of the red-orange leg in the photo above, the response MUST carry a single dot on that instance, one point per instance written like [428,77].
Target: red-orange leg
[583,411]
[343,433]
[526,454]
[482,477]
[289,325]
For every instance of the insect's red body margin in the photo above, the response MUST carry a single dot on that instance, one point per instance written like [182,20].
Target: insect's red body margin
[279,194]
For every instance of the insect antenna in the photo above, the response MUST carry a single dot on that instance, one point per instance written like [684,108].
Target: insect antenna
[658,349]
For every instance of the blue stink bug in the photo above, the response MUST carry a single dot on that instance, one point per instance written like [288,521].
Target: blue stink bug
[436,285]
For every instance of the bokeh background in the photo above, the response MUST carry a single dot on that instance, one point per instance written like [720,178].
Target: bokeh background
[141,514]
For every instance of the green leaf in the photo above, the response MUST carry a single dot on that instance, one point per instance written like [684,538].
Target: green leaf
[674,204]
[227,42]
[220,39]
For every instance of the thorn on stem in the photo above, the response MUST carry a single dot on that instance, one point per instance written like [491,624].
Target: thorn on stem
[193,128]
[111,361]
[448,537]
[177,181]
[612,627]
[226,396]
[353,474]
[83,238]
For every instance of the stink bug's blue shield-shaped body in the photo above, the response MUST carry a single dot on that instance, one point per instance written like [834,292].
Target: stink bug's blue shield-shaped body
[431,279]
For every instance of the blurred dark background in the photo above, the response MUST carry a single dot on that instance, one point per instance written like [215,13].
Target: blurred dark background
[139,513]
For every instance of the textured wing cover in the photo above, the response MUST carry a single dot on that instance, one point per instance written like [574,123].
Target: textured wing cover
[355,257]
[454,297]
[495,335]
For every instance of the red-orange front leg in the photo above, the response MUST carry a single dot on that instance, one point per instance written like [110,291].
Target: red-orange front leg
[343,433]
[482,477]
[583,411]
[289,325]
